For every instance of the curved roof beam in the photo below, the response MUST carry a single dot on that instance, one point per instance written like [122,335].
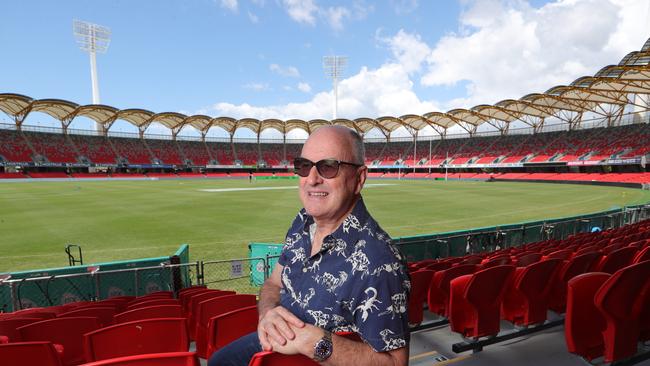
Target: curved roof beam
[136,117]
[315,124]
[101,114]
[293,124]
[273,123]
[391,123]
[346,123]
[227,123]
[56,108]
[17,106]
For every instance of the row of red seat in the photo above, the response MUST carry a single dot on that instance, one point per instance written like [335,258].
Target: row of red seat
[92,331]
[588,145]
[520,284]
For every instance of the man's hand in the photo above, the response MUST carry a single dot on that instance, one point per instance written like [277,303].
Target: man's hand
[276,327]
[303,342]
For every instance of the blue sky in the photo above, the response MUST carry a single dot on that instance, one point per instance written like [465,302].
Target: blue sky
[263,58]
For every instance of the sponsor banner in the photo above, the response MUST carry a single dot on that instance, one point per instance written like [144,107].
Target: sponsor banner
[584,162]
[623,161]
[150,166]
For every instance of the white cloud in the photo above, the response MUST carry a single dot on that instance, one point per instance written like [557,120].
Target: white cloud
[257,86]
[508,49]
[288,71]
[383,91]
[335,17]
[304,87]
[308,12]
[302,11]
[503,49]
[408,49]
[404,6]
[230,5]
[253,18]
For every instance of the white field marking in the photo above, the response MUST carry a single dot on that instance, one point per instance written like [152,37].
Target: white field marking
[283,187]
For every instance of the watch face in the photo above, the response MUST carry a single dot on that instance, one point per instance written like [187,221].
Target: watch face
[323,349]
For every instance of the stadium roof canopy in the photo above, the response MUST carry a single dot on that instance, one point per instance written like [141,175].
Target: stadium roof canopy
[605,94]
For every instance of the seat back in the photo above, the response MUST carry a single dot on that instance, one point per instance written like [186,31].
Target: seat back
[154,302]
[67,332]
[642,255]
[186,296]
[152,359]
[560,254]
[104,314]
[230,326]
[620,301]
[191,288]
[9,327]
[488,285]
[150,312]
[616,260]
[137,337]
[278,359]
[536,279]
[528,259]
[579,264]
[583,322]
[214,307]
[420,281]
[496,261]
[29,353]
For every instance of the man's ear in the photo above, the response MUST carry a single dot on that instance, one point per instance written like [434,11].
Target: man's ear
[362,175]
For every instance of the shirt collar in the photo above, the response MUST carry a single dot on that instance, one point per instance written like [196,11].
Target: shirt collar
[348,231]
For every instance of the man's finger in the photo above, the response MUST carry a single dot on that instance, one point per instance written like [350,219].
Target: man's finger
[264,340]
[276,336]
[289,317]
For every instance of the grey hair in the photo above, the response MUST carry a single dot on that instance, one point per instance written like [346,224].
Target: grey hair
[357,147]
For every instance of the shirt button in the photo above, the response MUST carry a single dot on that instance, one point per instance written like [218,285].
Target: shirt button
[304,269]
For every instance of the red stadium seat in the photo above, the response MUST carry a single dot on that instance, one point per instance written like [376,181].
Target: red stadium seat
[604,311]
[615,260]
[68,332]
[104,314]
[278,359]
[150,312]
[29,353]
[438,296]
[528,259]
[642,255]
[525,300]
[9,327]
[583,321]
[152,359]
[137,337]
[230,326]
[153,302]
[619,300]
[420,281]
[475,301]
[215,307]
[575,266]
[194,305]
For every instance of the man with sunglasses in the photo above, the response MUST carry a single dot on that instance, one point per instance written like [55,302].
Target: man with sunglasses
[338,271]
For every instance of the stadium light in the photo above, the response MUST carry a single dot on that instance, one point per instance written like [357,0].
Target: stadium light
[92,38]
[334,66]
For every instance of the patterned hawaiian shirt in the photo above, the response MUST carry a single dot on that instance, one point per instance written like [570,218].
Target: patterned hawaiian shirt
[357,282]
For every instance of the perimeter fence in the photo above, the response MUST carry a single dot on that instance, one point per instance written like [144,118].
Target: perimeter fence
[246,275]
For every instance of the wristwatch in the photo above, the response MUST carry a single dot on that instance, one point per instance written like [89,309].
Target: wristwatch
[323,347]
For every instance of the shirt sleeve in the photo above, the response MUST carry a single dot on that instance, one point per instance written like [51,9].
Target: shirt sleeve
[380,308]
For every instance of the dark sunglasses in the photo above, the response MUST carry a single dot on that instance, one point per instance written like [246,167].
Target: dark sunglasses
[327,168]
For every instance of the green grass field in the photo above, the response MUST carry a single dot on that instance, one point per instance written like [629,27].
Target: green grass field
[134,219]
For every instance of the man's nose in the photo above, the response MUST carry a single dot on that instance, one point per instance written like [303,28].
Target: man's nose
[314,178]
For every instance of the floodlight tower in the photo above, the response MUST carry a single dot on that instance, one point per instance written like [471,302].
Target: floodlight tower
[334,66]
[92,38]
